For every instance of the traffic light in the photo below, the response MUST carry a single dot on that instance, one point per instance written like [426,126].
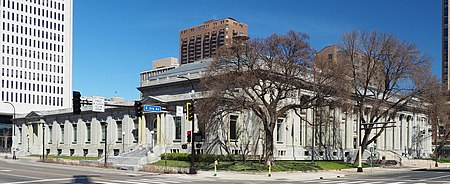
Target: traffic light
[138,108]
[190,111]
[189,136]
[76,102]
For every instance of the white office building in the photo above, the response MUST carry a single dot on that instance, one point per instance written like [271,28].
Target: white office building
[36,56]
[36,59]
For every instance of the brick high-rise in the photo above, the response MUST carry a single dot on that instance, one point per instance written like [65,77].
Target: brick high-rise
[202,41]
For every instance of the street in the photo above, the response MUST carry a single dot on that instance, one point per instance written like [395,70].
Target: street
[21,172]
[26,170]
[416,177]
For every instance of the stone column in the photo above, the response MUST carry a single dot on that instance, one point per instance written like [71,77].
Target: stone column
[142,130]
[158,129]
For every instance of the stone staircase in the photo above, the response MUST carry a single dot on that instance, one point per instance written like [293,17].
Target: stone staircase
[132,160]
[404,161]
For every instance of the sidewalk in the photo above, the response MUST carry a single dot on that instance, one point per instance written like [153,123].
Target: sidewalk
[9,156]
[290,176]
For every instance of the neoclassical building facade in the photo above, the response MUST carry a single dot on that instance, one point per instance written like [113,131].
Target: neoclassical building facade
[59,132]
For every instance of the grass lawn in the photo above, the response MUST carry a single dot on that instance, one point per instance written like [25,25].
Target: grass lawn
[68,157]
[255,166]
[444,160]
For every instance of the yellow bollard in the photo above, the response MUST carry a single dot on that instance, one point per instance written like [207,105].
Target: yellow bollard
[215,168]
[270,169]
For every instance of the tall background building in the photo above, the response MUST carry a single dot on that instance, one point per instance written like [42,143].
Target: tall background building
[202,41]
[36,56]
[445,56]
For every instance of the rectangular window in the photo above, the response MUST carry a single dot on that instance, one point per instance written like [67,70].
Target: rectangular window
[20,135]
[103,124]
[119,131]
[74,131]
[233,127]
[280,130]
[135,130]
[177,121]
[50,136]
[62,134]
[301,132]
[88,133]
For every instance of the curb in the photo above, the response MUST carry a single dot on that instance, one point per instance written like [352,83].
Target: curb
[436,170]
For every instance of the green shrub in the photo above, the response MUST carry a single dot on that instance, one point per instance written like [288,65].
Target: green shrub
[208,158]
[176,156]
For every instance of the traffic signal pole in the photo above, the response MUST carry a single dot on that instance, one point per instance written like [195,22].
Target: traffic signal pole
[192,169]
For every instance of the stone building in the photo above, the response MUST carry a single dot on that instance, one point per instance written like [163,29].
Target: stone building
[411,135]
[166,131]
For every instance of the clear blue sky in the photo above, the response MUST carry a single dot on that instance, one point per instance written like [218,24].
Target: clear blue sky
[114,40]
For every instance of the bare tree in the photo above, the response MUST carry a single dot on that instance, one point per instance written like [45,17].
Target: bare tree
[385,75]
[437,107]
[262,76]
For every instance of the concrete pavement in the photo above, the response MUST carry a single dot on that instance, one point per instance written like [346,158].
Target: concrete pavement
[290,176]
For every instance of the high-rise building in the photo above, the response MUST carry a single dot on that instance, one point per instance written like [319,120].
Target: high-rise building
[36,56]
[445,45]
[202,41]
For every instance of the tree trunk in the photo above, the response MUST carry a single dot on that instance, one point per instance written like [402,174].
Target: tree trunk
[269,146]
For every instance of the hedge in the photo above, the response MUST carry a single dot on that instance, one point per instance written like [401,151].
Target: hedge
[210,158]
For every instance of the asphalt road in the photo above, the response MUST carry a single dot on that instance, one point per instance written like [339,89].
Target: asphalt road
[416,177]
[27,171]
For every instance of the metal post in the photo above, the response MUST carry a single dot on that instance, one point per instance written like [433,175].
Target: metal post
[314,115]
[313,133]
[359,169]
[106,142]
[13,129]
[192,169]
[43,142]
[435,148]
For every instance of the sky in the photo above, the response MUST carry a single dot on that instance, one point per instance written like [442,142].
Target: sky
[114,40]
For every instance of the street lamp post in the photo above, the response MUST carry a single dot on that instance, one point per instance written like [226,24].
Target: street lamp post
[123,142]
[192,169]
[13,128]
[43,142]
